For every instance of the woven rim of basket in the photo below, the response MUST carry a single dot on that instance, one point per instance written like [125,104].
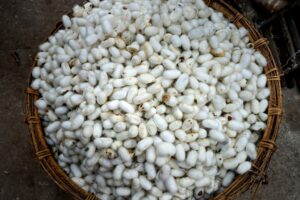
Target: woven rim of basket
[266,147]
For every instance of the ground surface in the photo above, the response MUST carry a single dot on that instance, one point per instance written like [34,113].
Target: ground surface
[24,24]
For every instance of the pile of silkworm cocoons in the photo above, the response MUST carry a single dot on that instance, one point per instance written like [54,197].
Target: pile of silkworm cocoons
[151,99]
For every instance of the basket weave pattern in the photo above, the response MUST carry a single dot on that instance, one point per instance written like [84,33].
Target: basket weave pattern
[266,147]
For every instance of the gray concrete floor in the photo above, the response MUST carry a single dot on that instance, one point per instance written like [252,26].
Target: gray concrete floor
[24,24]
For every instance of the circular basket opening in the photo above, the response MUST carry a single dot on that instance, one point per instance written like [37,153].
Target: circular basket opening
[266,145]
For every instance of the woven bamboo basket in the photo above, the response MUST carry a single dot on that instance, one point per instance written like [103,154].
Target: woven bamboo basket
[266,147]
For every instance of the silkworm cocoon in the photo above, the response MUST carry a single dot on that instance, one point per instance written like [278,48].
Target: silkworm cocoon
[79,181]
[123,191]
[146,78]
[138,195]
[151,31]
[107,27]
[124,154]
[235,37]
[200,4]
[263,105]
[145,183]
[150,170]
[245,60]
[196,33]
[176,41]
[167,53]
[205,181]
[263,93]
[66,125]
[54,126]
[150,113]
[174,29]
[130,174]
[175,125]
[156,192]
[194,84]
[210,158]
[185,42]
[180,152]
[263,116]
[192,158]
[91,39]
[185,108]
[236,55]
[219,102]
[202,154]
[177,173]
[230,163]
[113,105]
[160,122]
[119,127]
[67,21]
[171,185]
[133,47]
[262,81]
[129,144]
[167,136]
[155,59]
[87,131]
[214,42]
[255,106]
[132,92]
[119,94]
[252,119]
[258,126]
[188,99]
[126,107]
[165,149]
[260,59]
[103,142]
[195,46]
[228,153]
[182,82]
[166,83]
[251,151]
[241,144]
[244,167]
[227,180]
[181,135]
[195,174]
[246,95]
[217,135]
[255,69]
[210,123]
[155,44]
[107,67]
[204,58]
[202,133]
[36,84]
[144,144]
[168,64]
[201,76]
[204,46]
[150,154]
[143,131]
[241,156]
[77,121]
[118,171]
[151,127]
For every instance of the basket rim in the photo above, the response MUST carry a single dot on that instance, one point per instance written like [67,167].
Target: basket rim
[266,148]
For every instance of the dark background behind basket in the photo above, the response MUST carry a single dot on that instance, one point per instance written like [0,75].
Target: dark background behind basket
[25,23]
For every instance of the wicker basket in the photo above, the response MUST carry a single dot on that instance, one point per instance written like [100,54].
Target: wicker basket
[251,180]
